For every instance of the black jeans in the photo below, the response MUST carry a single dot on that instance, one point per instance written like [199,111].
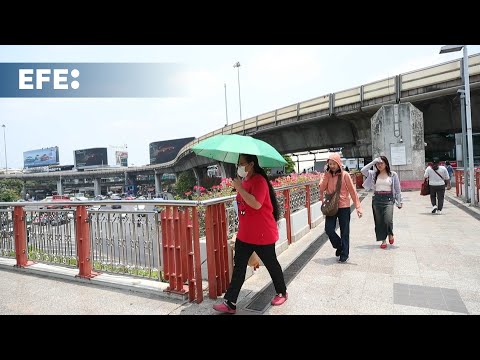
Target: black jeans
[267,254]
[342,241]
[437,192]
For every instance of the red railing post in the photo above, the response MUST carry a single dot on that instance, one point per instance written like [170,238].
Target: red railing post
[307,204]
[457,182]
[83,243]
[196,256]
[210,244]
[223,246]
[165,242]
[20,237]
[286,203]
[477,181]
[184,241]
[217,250]
[177,243]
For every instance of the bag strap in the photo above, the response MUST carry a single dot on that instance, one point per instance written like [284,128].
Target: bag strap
[438,174]
[339,181]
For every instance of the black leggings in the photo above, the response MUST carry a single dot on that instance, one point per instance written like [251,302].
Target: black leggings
[267,254]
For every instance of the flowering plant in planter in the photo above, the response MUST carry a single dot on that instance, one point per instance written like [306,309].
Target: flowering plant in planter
[225,186]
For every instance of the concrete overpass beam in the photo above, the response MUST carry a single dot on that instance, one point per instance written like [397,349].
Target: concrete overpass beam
[358,151]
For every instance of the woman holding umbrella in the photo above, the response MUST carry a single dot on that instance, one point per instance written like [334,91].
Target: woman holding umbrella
[258,213]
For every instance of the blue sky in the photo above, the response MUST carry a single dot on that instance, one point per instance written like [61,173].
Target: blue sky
[270,77]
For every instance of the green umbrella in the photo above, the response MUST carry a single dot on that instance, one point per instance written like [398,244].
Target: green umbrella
[227,148]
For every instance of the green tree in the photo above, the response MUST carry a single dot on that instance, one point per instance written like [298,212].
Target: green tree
[10,189]
[185,182]
[8,195]
[14,184]
[290,164]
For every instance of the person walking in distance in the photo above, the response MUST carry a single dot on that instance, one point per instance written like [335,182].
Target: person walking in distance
[438,178]
[450,171]
[258,213]
[333,174]
[387,193]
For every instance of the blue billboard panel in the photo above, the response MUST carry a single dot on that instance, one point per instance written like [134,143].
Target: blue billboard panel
[41,157]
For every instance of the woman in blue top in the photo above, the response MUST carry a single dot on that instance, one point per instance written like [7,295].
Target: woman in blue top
[386,186]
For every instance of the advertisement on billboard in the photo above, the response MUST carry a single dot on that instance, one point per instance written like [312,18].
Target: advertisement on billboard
[41,157]
[121,158]
[90,157]
[165,151]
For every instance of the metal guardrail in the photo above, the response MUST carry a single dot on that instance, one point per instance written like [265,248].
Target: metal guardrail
[163,244]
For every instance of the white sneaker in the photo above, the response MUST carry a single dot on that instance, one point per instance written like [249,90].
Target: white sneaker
[434,209]
[439,212]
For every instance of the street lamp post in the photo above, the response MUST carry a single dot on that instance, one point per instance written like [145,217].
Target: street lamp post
[464,143]
[226,108]
[237,65]
[468,113]
[5,143]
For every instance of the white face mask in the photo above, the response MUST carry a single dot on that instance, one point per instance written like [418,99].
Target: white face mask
[241,171]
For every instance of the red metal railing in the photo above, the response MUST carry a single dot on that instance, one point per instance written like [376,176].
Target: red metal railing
[83,244]
[459,184]
[180,232]
[21,253]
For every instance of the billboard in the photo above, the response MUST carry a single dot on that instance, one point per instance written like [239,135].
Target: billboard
[165,151]
[121,158]
[90,157]
[41,157]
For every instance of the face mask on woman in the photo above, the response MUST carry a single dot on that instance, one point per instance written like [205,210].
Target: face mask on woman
[241,171]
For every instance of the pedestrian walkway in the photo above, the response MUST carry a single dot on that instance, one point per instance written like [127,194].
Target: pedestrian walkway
[432,268]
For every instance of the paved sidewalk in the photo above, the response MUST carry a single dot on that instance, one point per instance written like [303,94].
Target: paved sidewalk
[433,268]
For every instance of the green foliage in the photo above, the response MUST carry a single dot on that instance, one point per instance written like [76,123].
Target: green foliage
[185,182]
[290,167]
[14,184]
[8,195]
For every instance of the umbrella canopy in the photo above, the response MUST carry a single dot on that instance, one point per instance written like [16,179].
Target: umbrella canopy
[227,148]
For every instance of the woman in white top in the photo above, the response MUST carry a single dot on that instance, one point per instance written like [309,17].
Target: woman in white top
[386,185]
[437,179]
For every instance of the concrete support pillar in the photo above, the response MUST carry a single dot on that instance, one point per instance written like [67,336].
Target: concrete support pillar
[59,187]
[131,183]
[398,134]
[97,189]
[222,169]
[158,184]
[196,172]
[23,193]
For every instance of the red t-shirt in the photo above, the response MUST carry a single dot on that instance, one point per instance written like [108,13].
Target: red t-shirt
[256,226]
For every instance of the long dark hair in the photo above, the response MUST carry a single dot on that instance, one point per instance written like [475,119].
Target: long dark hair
[387,168]
[259,170]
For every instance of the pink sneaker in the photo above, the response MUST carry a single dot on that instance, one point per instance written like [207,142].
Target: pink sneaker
[224,308]
[279,299]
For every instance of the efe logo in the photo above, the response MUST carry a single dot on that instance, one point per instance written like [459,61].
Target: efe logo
[29,79]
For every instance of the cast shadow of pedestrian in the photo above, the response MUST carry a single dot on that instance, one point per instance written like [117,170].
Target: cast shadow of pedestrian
[376,246]
[331,261]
